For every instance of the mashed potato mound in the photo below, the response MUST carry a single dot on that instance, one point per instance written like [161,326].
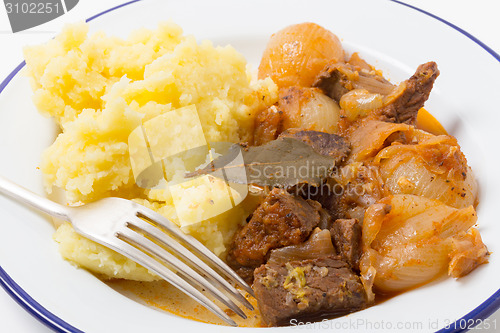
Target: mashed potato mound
[100,88]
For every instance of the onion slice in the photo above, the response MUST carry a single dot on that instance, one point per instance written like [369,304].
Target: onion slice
[318,245]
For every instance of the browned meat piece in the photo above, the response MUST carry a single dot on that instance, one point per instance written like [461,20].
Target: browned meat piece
[410,96]
[339,78]
[401,103]
[328,195]
[268,125]
[307,290]
[246,273]
[346,236]
[281,220]
[325,144]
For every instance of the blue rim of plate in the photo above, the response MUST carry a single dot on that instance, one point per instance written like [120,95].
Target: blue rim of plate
[47,318]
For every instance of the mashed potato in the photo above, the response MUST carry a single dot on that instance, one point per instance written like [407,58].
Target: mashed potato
[100,88]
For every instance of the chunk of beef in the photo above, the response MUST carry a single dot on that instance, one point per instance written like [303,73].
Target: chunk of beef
[325,144]
[281,220]
[410,96]
[346,236]
[307,289]
[268,125]
[328,195]
[402,102]
[339,78]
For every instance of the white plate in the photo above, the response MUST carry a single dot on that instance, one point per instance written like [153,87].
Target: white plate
[392,36]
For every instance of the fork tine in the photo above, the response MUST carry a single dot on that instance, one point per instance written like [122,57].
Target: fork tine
[162,237]
[163,255]
[161,270]
[160,220]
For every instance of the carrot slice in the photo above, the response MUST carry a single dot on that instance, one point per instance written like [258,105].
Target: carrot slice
[427,122]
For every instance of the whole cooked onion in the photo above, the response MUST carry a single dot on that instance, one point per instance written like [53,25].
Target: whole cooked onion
[434,168]
[408,240]
[296,54]
[308,109]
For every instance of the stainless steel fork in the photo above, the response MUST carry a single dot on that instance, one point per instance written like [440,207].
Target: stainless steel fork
[150,240]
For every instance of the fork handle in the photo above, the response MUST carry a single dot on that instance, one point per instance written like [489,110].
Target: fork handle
[23,195]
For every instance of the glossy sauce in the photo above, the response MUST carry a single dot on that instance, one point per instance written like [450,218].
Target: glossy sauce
[163,296]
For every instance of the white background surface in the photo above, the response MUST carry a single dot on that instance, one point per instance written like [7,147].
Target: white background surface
[479,18]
